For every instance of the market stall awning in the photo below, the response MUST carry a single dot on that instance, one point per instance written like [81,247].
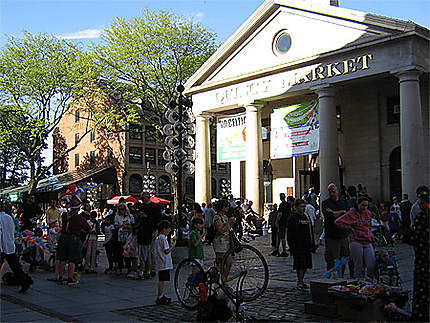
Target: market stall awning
[127,198]
[107,175]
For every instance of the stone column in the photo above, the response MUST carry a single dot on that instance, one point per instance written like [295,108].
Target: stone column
[235,178]
[254,158]
[411,133]
[202,176]
[329,151]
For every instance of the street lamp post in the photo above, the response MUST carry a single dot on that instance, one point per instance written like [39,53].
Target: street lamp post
[179,141]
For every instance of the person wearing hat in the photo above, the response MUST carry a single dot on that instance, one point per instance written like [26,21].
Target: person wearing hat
[69,246]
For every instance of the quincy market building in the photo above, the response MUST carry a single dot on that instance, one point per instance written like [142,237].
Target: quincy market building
[366,76]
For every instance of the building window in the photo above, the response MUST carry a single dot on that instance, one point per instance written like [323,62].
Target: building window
[213,186]
[135,183]
[281,42]
[135,155]
[93,136]
[92,158]
[393,110]
[265,129]
[77,115]
[77,137]
[150,133]
[339,118]
[135,131]
[161,160]
[213,160]
[76,160]
[222,166]
[189,186]
[164,186]
[150,156]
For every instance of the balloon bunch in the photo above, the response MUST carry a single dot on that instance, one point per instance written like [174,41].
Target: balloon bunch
[337,271]
[71,197]
[39,241]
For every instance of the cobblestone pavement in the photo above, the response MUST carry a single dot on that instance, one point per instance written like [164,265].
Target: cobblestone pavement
[103,298]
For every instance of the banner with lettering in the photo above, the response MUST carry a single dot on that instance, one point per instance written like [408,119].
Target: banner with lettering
[231,138]
[294,130]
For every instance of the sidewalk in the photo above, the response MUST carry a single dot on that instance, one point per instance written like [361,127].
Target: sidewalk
[109,298]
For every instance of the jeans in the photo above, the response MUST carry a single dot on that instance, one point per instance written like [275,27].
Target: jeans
[360,252]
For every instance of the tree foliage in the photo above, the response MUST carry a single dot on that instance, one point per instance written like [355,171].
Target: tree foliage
[40,76]
[144,59]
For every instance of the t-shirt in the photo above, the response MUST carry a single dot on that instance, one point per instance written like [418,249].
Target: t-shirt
[310,212]
[284,212]
[299,234]
[29,211]
[154,213]
[332,231]
[74,224]
[109,232]
[195,252]
[163,261]
[121,220]
[7,234]
[144,231]
[53,213]
[209,217]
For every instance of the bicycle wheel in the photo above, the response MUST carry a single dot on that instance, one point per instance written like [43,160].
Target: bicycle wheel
[248,275]
[188,276]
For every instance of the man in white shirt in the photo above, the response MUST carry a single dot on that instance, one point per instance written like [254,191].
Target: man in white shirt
[7,248]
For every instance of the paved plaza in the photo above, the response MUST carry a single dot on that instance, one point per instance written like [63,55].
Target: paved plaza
[103,298]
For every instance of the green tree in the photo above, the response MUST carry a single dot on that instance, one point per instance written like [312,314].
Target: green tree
[144,59]
[40,77]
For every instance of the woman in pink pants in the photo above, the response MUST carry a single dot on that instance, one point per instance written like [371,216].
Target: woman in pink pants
[359,220]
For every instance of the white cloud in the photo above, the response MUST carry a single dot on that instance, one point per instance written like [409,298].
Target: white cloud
[198,16]
[82,34]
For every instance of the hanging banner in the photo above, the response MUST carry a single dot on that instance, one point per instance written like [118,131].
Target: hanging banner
[231,138]
[294,130]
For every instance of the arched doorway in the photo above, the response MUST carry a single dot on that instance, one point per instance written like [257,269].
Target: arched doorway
[396,172]
[135,184]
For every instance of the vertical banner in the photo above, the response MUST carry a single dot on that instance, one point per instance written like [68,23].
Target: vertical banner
[231,138]
[294,130]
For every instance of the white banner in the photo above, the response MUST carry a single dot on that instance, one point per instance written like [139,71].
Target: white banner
[231,138]
[294,130]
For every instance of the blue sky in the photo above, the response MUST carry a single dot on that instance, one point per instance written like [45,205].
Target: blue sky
[83,20]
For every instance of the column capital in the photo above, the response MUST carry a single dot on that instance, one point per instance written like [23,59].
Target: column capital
[325,90]
[203,116]
[409,75]
[254,107]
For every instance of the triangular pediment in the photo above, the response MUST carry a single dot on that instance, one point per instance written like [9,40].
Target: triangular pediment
[255,48]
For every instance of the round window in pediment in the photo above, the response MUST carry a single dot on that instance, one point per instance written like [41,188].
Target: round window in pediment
[282,42]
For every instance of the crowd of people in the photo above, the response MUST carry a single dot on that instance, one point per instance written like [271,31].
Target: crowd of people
[139,238]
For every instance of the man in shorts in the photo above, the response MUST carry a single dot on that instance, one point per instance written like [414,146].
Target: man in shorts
[336,239]
[144,240]
[69,245]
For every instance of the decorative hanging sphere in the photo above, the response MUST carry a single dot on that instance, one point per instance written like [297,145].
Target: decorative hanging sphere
[168,129]
[172,116]
[179,153]
[188,167]
[167,156]
[171,168]
[191,128]
[191,155]
[172,142]
[188,142]
[179,127]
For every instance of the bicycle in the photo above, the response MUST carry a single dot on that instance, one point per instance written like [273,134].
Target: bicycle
[245,280]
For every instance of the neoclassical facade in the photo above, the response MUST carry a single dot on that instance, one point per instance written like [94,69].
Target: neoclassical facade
[370,75]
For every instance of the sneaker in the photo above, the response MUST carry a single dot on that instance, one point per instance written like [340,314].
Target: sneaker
[71,281]
[274,253]
[302,285]
[283,254]
[162,301]
[60,281]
